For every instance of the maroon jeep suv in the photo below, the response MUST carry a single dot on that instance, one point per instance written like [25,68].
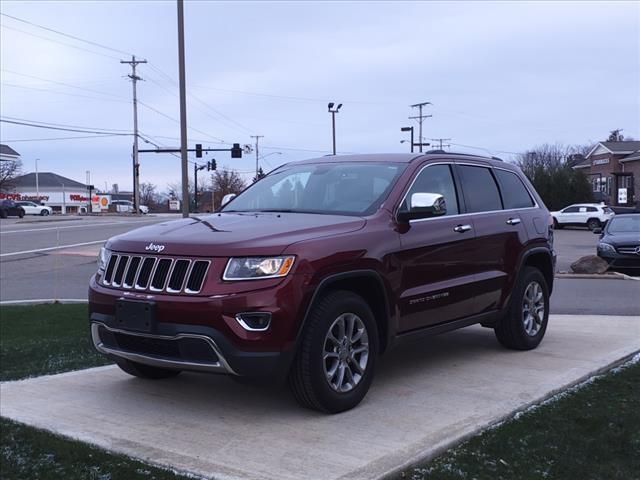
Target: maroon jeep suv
[313,272]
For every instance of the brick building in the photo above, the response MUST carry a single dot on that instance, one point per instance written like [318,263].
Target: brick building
[613,169]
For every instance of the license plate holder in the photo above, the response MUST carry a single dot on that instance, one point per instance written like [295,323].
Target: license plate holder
[135,315]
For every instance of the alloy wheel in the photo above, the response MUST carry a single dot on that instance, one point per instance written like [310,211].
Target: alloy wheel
[533,308]
[345,352]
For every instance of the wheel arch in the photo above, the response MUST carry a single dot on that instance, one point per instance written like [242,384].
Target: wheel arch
[540,258]
[369,285]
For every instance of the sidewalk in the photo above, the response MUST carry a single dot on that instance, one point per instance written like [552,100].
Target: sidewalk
[427,395]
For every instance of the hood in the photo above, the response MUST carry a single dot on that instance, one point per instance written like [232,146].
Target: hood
[233,234]
[623,238]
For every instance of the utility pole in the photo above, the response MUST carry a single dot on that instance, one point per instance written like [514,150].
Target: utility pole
[420,117]
[257,137]
[37,183]
[333,112]
[183,112]
[440,140]
[136,165]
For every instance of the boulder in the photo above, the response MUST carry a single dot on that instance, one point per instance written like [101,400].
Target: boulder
[589,264]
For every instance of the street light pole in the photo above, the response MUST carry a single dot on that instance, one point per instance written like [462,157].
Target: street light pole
[37,183]
[183,112]
[409,129]
[333,112]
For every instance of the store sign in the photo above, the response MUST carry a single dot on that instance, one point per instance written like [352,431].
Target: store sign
[78,198]
[622,195]
[174,205]
[22,197]
[600,161]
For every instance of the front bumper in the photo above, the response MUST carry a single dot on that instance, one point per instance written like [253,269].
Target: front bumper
[185,347]
[621,261]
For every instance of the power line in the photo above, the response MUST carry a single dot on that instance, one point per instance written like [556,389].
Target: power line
[61,138]
[95,44]
[59,42]
[485,149]
[60,128]
[64,84]
[104,130]
[63,93]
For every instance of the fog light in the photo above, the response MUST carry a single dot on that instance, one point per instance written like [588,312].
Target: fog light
[254,321]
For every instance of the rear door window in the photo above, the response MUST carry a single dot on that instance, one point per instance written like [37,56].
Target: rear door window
[514,193]
[480,189]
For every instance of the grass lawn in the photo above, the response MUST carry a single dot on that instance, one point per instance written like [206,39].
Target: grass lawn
[43,339]
[589,433]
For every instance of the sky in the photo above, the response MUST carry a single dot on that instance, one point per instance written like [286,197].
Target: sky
[502,77]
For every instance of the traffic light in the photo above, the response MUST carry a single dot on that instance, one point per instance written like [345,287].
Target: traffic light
[236,151]
[212,165]
[198,150]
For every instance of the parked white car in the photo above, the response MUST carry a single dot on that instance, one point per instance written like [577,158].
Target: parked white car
[32,208]
[126,206]
[590,215]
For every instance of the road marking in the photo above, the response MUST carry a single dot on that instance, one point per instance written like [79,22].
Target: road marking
[77,226]
[48,249]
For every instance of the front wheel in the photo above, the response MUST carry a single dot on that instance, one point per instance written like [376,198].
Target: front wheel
[145,371]
[525,323]
[44,212]
[593,223]
[21,214]
[336,359]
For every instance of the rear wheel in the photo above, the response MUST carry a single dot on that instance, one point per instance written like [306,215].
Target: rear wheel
[335,363]
[593,223]
[526,321]
[145,371]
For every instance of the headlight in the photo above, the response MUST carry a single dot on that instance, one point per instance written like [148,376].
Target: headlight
[252,268]
[605,247]
[103,259]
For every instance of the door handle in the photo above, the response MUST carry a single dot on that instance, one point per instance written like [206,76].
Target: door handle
[513,221]
[462,228]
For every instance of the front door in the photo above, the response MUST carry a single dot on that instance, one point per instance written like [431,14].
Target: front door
[436,257]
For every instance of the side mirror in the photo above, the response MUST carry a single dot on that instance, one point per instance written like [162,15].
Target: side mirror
[424,205]
[227,198]
[597,231]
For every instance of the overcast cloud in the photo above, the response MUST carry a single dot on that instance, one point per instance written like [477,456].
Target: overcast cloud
[501,76]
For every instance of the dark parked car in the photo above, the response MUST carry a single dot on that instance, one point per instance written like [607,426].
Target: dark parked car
[620,243]
[9,208]
[323,265]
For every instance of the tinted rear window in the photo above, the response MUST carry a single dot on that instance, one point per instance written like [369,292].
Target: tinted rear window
[514,193]
[480,189]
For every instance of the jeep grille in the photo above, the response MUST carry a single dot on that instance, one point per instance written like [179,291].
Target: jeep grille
[143,273]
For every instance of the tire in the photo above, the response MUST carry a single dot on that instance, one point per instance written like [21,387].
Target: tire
[308,378]
[513,331]
[593,223]
[145,371]
[44,213]
[556,225]
[3,214]
[21,214]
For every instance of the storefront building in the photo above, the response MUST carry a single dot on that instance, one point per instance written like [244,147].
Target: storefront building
[613,168]
[62,194]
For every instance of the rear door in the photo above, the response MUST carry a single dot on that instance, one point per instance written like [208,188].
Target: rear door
[500,232]
[436,256]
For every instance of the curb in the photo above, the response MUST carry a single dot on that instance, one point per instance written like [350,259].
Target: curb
[49,220]
[44,301]
[599,276]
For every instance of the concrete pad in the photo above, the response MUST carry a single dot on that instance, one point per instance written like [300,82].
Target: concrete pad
[427,395]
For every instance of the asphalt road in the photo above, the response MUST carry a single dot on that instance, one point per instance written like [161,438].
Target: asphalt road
[33,264]
[55,257]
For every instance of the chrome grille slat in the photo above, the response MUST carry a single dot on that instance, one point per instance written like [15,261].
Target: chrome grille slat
[627,250]
[156,274]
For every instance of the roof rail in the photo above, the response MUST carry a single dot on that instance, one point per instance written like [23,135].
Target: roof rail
[497,158]
[436,151]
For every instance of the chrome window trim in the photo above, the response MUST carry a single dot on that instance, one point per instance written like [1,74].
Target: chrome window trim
[204,277]
[153,270]
[221,366]
[182,285]
[486,165]
[166,280]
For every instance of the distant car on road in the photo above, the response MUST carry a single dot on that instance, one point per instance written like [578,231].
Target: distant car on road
[9,208]
[590,215]
[32,208]
[620,242]
[126,206]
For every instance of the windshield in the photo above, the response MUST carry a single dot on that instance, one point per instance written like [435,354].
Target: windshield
[331,188]
[625,225]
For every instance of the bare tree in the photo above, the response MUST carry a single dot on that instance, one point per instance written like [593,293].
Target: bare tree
[149,195]
[9,169]
[259,176]
[224,182]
